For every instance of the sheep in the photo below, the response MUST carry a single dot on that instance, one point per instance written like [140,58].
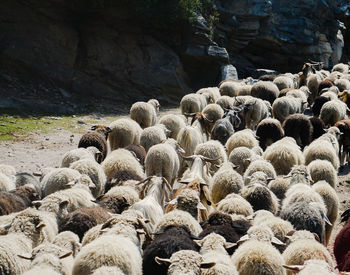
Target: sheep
[225,102]
[324,84]
[344,142]
[58,179]
[185,262]
[121,160]
[230,88]
[10,246]
[173,123]
[323,170]
[213,249]
[162,160]
[323,150]
[283,154]
[27,179]
[241,157]
[268,131]
[127,192]
[299,174]
[257,110]
[302,250]
[280,228]
[179,217]
[6,184]
[68,240]
[139,151]
[311,267]
[108,270]
[344,96]
[37,226]
[109,250]
[97,138]
[255,257]
[71,156]
[145,113]
[188,138]
[171,239]
[193,103]
[235,204]
[341,248]
[213,112]
[81,220]
[267,77]
[331,201]
[17,200]
[333,111]
[306,216]
[154,195]
[259,165]
[94,171]
[279,187]
[222,130]
[283,82]
[202,123]
[49,258]
[213,93]
[299,127]
[313,81]
[341,67]
[299,93]
[317,105]
[78,195]
[318,127]
[8,170]
[153,135]
[266,90]
[225,181]
[244,138]
[125,131]
[212,149]
[225,226]
[260,197]
[287,105]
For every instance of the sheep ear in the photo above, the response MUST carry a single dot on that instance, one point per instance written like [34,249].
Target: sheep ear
[64,204]
[204,223]
[295,268]
[207,264]
[108,130]
[65,255]
[229,245]
[243,239]
[93,128]
[172,202]
[317,238]
[26,257]
[250,217]
[70,184]
[291,233]
[198,242]
[36,204]
[201,206]
[277,241]
[162,261]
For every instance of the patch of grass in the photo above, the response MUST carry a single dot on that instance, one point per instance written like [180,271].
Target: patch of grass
[19,127]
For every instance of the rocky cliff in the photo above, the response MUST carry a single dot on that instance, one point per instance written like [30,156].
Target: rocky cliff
[57,57]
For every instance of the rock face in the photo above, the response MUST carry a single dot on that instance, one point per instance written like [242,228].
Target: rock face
[57,50]
[281,34]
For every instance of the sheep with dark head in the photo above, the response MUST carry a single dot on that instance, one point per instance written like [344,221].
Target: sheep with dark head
[299,127]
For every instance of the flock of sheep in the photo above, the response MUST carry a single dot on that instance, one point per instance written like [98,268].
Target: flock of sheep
[245,187]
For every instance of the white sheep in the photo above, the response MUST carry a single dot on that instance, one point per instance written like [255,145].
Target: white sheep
[69,241]
[193,103]
[323,150]
[241,157]
[283,155]
[78,154]
[174,123]
[283,82]
[188,138]
[279,187]
[225,102]
[94,171]
[244,138]
[6,183]
[230,88]
[125,131]
[153,135]
[213,93]
[121,160]
[225,181]
[213,112]
[323,170]
[127,192]
[145,113]
[287,105]
[259,165]
[108,270]
[213,249]
[309,267]
[341,67]
[58,179]
[109,250]
[333,111]
[235,204]
[162,160]
[258,110]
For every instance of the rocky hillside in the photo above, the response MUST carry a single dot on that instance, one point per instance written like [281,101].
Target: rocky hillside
[56,56]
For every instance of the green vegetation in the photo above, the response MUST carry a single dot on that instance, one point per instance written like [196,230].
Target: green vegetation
[15,127]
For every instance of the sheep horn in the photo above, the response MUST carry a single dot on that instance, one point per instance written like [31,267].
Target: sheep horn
[206,119]
[189,114]
[37,174]
[167,184]
[145,180]
[107,223]
[26,257]
[187,157]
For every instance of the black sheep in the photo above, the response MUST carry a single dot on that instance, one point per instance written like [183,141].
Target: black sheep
[97,138]
[318,127]
[119,176]
[172,239]
[139,152]
[269,130]
[318,103]
[299,127]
